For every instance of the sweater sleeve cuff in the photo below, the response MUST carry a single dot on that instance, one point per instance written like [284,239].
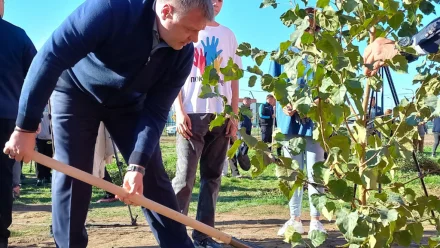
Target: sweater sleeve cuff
[27,123]
[139,158]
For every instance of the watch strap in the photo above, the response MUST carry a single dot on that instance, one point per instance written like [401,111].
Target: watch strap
[139,169]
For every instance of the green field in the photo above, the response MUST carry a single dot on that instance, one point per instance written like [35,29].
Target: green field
[234,194]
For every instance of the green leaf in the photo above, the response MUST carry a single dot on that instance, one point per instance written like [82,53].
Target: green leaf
[268,3]
[207,92]
[399,64]
[321,174]
[244,49]
[297,145]
[328,210]
[232,71]
[341,62]
[284,173]
[217,122]
[267,82]
[347,222]
[330,45]
[403,238]
[349,5]
[289,17]
[337,187]
[255,70]
[319,201]
[258,55]
[354,87]
[416,231]
[338,95]
[396,20]
[354,177]
[322,3]
[343,142]
[233,149]
[426,7]
[410,195]
[210,76]
[317,237]
[292,237]
[252,81]
[300,70]
[407,29]
[381,196]
[307,38]
[250,140]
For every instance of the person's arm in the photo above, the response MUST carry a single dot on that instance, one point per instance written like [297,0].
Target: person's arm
[87,27]
[28,54]
[260,112]
[425,41]
[156,108]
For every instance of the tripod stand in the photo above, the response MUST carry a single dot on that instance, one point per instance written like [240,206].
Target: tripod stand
[119,164]
[385,72]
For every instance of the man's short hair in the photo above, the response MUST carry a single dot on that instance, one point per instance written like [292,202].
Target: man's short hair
[246,98]
[183,6]
[269,96]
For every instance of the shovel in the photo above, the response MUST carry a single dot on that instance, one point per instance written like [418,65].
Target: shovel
[139,200]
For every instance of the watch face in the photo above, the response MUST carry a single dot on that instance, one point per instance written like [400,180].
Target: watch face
[405,41]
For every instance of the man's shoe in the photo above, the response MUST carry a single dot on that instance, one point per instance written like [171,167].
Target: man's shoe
[206,243]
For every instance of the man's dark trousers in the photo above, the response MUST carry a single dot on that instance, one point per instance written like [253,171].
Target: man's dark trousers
[43,147]
[6,129]
[266,133]
[76,118]
[208,147]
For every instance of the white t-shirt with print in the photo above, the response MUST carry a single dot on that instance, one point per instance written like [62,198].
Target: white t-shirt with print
[216,44]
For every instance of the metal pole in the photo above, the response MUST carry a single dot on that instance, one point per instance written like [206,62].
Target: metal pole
[119,165]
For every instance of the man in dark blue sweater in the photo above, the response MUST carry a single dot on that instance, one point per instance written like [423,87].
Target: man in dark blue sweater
[121,62]
[16,54]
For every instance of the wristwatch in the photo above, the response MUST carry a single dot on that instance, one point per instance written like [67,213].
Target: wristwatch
[139,169]
[405,41]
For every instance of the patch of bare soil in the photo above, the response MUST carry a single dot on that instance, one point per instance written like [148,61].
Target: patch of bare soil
[256,226]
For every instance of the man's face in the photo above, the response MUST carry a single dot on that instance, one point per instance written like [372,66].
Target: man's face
[271,101]
[218,4]
[246,102]
[177,29]
[2,8]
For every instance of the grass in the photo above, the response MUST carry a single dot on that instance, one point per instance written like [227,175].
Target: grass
[234,194]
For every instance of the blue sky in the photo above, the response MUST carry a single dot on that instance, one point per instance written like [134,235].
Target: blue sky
[260,27]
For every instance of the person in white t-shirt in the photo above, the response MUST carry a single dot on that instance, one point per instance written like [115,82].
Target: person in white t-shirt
[195,142]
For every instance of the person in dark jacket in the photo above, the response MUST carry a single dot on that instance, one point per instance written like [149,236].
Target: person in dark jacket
[16,54]
[267,116]
[436,133]
[246,123]
[123,63]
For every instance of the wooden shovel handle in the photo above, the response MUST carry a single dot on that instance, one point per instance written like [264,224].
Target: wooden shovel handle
[137,199]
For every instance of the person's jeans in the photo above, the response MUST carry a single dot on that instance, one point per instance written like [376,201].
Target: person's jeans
[312,154]
[210,148]
[16,174]
[436,143]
